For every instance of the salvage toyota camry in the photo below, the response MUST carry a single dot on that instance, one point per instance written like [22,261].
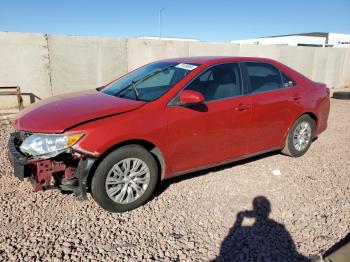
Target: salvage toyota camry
[165,119]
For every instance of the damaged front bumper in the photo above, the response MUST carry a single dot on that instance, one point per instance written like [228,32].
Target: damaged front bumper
[67,172]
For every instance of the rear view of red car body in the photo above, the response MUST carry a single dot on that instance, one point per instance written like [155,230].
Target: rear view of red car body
[165,119]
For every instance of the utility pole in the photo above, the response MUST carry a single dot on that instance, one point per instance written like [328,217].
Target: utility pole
[160,22]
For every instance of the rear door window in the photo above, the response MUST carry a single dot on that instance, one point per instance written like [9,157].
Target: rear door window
[262,77]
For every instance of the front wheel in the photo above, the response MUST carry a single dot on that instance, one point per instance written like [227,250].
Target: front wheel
[125,179]
[300,136]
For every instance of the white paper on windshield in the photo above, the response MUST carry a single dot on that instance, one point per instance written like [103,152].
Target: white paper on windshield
[186,66]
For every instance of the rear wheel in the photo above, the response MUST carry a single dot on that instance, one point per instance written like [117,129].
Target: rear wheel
[125,179]
[300,136]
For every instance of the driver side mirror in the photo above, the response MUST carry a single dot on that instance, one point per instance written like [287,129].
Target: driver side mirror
[190,97]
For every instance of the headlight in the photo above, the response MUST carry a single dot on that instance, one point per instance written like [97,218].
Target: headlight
[46,146]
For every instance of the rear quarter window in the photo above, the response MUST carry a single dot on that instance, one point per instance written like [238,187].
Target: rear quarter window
[287,81]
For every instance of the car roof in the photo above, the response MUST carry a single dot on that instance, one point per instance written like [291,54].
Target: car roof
[215,59]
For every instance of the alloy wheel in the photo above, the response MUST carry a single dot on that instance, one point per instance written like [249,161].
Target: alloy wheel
[302,136]
[127,180]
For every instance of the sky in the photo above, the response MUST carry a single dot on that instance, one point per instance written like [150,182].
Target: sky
[206,20]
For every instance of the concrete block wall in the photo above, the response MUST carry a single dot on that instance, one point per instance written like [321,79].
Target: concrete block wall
[24,62]
[79,63]
[143,51]
[46,65]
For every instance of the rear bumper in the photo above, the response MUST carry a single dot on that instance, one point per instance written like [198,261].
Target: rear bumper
[323,114]
[51,173]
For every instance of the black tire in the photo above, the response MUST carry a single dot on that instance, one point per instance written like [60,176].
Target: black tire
[342,95]
[289,148]
[98,187]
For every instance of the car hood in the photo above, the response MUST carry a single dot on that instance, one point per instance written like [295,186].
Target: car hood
[57,114]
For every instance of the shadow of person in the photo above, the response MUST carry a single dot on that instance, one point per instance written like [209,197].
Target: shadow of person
[265,240]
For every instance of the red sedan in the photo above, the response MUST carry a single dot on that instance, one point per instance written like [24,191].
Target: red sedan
[165,119]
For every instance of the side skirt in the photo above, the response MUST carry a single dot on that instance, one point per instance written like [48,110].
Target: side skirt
[222,163]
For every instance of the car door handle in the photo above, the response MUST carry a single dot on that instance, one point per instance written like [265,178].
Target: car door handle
[242,107]
[297,97]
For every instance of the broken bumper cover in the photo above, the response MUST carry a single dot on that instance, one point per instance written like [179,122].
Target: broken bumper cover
[18,160]
[41,172]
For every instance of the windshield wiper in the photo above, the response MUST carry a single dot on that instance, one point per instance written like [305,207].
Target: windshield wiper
[134,88]
[133,83]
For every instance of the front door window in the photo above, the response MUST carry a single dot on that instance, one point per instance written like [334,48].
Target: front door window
[218,82]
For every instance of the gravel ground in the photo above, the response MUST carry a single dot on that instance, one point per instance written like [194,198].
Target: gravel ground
[222,213]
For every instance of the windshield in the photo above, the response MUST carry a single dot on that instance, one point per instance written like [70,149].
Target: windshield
[149,82]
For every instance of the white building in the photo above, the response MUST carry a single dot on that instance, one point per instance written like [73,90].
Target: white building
[316,39]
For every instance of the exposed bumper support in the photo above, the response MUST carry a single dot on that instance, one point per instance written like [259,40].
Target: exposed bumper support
[43,172]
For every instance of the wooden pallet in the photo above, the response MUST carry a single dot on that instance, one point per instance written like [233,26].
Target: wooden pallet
[13,91]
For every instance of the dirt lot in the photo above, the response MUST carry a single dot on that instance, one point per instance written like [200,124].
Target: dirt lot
[198,217]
